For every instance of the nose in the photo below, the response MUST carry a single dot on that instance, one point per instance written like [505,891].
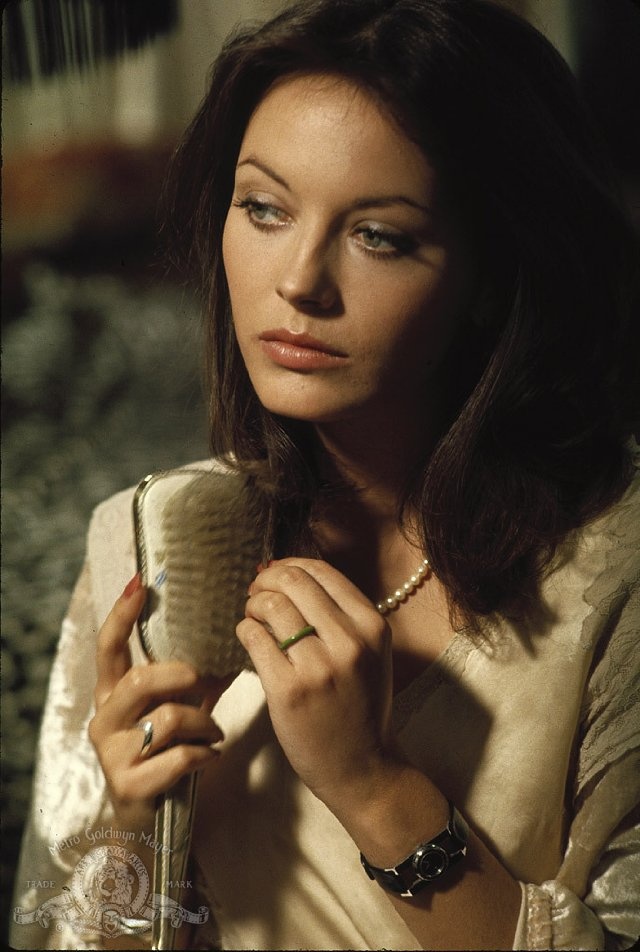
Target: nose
[307,280]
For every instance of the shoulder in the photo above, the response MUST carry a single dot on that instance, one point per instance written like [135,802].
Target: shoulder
[611,703]
[605,553]
[111,549]
[595,574]
[615,535]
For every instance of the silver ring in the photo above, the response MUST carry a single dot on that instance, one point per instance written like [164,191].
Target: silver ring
[147,728]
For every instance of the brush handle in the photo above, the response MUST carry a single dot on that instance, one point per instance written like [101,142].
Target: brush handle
[194,540]
[172,841]
[174,811]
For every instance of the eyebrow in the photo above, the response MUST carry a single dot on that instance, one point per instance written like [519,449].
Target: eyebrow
[373,201]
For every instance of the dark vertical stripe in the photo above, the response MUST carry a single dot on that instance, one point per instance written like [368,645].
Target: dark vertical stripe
[76,33]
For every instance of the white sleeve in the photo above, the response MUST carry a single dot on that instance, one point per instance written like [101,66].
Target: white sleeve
[553,917]
[69,800]
[594,901]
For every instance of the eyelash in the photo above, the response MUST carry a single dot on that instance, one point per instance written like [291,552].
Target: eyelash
[251,206]
[400,244]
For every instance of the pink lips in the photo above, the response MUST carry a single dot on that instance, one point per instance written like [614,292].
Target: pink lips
[299,351]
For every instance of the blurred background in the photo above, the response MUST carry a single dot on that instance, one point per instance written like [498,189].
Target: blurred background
[101,366]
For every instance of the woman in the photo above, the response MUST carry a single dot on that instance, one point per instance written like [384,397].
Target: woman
[419,297]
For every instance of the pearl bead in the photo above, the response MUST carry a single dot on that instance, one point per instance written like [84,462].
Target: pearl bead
[408,587]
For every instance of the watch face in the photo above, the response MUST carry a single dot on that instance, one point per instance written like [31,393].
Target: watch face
[430,861]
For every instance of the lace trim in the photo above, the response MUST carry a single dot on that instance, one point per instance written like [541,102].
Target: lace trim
[538,931]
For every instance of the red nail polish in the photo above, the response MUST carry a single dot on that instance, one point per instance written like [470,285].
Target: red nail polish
[133,586]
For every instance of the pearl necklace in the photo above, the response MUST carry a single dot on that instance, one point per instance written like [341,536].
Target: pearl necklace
[400,594]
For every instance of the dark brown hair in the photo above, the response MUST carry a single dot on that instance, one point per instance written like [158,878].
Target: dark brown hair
[537,443]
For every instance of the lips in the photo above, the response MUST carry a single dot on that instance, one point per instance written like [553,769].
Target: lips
[300,352]
[300,342]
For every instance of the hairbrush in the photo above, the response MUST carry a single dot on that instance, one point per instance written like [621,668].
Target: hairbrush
[197,548]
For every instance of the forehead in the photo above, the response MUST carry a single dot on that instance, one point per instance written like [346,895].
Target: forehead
[321,125]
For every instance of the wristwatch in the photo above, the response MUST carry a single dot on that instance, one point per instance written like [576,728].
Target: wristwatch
[427,862]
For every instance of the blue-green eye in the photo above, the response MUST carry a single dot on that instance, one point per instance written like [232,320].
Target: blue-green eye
[260,214]
[382,243]
[375,240]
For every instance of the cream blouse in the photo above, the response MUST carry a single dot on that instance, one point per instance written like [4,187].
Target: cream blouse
[532,733]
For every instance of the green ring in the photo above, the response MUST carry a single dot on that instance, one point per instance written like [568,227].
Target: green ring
[299,635]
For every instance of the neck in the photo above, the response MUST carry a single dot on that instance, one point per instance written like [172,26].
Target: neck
[358,530]
[376,456]
[380,445]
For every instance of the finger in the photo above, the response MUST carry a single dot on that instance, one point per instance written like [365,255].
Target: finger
[341,589]
[144,687]
[158,774]
[295,584]
[277,611]
[165,769]
[113,656]
[324,598]
[263,649]
[171,724]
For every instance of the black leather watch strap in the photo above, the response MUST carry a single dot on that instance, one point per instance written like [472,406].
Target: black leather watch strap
[428,861]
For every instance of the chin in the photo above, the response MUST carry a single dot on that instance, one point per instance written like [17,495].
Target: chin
[305,410]
[303,400]
[310,415]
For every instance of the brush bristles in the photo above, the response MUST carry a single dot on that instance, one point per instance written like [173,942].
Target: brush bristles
[210,558]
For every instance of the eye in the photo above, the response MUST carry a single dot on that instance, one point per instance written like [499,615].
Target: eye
[261,214]
[382,242]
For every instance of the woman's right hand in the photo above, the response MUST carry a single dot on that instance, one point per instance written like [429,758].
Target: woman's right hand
[159,692]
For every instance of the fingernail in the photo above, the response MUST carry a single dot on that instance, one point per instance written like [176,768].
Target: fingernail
[133,586]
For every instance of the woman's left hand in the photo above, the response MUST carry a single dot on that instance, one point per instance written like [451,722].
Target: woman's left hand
[329,694]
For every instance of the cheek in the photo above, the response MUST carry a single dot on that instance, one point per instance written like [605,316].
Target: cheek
[231,255]
[240,281]
[248,270]
[414,328]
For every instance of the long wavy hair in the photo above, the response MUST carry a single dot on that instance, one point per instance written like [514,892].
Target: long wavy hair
[537,441]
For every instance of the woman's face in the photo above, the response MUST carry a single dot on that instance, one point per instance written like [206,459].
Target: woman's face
[347,276]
